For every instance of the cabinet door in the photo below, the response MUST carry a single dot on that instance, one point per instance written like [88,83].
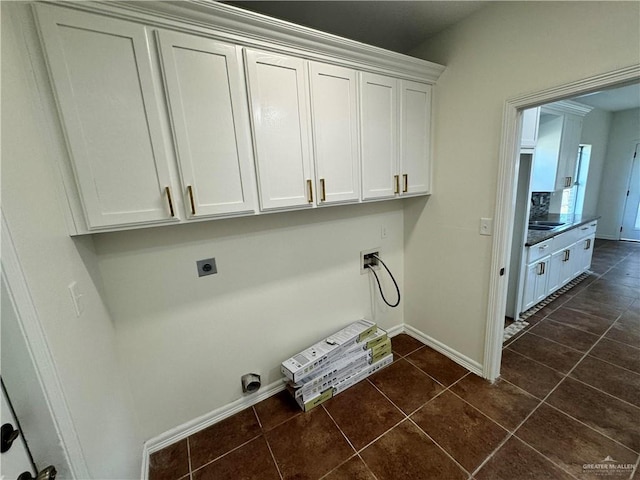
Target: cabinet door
[535,283]
[584,251]
[545,156]
[415,134]
[334,115]
[556,263]
[529,137]
[568,152]
[278,99]
[378,137]
[101,73]
[209,114]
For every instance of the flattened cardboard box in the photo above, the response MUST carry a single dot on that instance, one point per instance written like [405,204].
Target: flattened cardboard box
[333,376]
[314,358]
[342,360]
[344,384]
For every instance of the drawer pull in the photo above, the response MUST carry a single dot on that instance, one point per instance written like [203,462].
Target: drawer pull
[323,191]
[168,192]
[543,247]
[309,191]
[405,179]
[191,200]
[584,228]
[396,179]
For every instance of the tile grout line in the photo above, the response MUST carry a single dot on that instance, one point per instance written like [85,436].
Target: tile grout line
[227,453]
[189,459]
[273,457]
[440,447]
[587,425]
[544,400]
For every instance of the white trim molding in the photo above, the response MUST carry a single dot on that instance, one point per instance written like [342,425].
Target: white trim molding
[40,354]
[226,22]
[506,195]
[460,359]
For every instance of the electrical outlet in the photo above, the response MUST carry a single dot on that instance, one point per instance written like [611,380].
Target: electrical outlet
[206,267]
[367,258]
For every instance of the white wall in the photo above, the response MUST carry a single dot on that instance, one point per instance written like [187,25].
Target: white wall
[624,134]
[504,50]
[284,281]
[595,132]
[84,349]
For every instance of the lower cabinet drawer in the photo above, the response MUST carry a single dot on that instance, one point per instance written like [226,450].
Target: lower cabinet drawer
[542,249]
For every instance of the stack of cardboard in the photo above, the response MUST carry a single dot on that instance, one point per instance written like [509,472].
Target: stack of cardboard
[336,363]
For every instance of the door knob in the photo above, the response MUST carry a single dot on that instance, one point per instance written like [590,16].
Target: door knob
[48,473]
[8,434]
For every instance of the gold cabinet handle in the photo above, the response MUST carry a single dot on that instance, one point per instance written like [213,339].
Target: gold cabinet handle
[323,191]
[587,244]
[191,201]
[396,179]
[309,191]
[167,190]
[405,180]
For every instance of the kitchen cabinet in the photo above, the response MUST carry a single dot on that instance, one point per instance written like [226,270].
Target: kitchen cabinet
[535,282]
[104,86]
[584,251]
[562,266]
[570,256]
[556,152]
[334,114]
[379,136]
[395,137]
[278,97]
[415,138]
[529,136]
[207,102]
[173,114]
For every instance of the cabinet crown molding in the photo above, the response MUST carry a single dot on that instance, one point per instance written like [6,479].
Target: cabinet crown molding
[246,28]
[567,106]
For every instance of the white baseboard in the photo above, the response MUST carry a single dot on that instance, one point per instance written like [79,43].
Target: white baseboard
[460,359]
[607,237]
[189,428]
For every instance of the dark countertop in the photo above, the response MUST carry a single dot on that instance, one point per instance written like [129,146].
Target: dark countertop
[570,222]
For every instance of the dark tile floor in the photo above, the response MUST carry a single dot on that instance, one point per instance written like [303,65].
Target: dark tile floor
[568,398]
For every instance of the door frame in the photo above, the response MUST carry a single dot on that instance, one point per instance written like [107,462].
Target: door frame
[634,159]
[40,353]
[509,163]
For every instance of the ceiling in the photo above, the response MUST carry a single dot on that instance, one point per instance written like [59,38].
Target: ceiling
[613,100]
[399,26]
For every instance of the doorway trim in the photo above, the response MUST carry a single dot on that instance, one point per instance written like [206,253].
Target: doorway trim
[36,340]
[508,165]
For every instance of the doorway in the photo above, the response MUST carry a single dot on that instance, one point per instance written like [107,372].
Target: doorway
[630,229]
[506,197]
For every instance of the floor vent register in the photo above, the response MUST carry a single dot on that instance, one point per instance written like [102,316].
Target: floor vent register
[336,363]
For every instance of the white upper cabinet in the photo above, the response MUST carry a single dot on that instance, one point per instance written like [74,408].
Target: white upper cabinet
[379,136]
[334,113]
[415,132]
[279,107]
[556,152]
[210,119]
[101,73]
[529,137]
